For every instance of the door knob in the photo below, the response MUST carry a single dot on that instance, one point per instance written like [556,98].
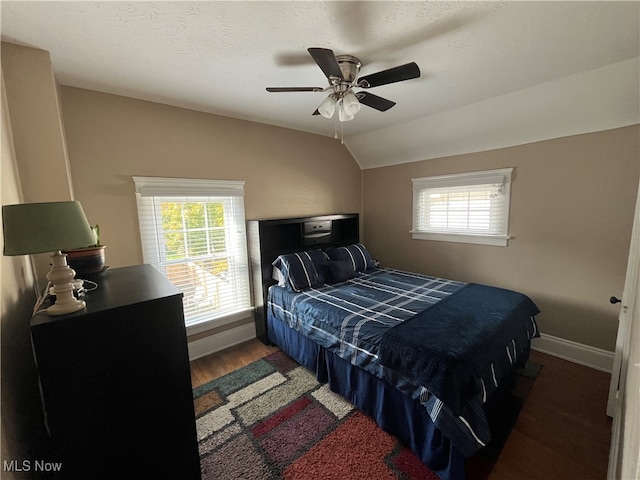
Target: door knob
[614,300]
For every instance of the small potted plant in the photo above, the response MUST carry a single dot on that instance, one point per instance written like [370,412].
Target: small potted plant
[90,260]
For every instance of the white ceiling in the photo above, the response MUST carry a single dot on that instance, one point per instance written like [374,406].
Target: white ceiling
[494,74]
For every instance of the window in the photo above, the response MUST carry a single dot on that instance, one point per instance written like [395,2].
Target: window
[193,231]
[468,207]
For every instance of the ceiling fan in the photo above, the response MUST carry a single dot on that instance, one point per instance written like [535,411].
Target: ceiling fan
[342,72]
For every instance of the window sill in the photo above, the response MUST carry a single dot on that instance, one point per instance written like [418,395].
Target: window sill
[199,326]
[494,240]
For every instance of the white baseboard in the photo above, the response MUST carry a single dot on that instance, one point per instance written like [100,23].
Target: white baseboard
[220,341]
[579,353]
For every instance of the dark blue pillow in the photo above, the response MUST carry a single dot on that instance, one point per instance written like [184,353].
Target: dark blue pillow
[302,270]
[357,254]
[341,271]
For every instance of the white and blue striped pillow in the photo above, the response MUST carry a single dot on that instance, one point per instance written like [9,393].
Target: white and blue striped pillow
[357,254]
[302,270]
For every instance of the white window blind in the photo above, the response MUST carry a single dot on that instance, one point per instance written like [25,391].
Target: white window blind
[470,207]
[193,231]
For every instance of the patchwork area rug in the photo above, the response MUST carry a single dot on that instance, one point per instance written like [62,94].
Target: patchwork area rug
[273,420]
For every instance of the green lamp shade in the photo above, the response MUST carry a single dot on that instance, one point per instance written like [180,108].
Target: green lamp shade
[45,227]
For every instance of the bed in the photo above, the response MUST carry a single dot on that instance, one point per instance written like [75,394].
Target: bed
[419,354]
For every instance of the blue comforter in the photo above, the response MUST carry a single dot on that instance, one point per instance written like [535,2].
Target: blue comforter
[351,319]
[448,346]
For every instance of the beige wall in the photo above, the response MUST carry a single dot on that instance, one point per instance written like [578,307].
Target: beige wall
[36,123]
[572,202]
[37,131]
[34,169]
[22,423]
[112,138]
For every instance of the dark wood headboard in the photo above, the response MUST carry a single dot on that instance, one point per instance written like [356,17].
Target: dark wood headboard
[270,238]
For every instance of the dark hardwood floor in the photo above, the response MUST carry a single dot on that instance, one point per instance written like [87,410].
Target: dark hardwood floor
[562,432]
[207,368]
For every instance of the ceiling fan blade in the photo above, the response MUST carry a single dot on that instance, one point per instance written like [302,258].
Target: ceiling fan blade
[295,89]
[316,112]
[374,101]
[392,75]
[327,62]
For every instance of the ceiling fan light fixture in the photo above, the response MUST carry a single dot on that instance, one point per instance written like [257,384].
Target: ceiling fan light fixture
[343,115]
[327,107]
[350,104]
[342,72]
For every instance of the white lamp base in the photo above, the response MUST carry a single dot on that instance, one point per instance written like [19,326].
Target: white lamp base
[61,276]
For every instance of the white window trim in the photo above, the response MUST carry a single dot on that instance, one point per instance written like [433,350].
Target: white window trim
[494,240]
[463,179]
[203,326]
[167,187]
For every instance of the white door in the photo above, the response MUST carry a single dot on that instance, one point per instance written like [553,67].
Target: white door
[625,414]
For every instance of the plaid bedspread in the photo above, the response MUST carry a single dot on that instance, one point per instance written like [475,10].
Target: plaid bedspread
[350,319]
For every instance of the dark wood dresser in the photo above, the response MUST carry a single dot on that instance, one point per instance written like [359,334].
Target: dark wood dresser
[272,237]
[115,381]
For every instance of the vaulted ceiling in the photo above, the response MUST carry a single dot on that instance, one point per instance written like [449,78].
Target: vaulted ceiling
[493,74]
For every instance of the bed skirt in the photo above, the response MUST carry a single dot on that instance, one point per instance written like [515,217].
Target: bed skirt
[393,411]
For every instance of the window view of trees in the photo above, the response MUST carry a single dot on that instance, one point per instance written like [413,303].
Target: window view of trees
[193,231]
[196,253]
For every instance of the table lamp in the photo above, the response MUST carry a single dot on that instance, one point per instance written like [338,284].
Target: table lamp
[31,228]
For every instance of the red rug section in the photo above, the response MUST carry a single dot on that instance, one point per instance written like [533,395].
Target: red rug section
[369,456]
[280,417]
